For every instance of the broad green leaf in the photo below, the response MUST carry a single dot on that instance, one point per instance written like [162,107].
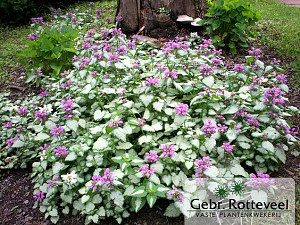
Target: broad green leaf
[146,99]
[72,124]
[71,156]
[100,144]
[151,199]
[41,136]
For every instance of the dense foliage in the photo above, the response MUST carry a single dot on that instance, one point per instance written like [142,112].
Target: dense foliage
[129,124]
[228,21]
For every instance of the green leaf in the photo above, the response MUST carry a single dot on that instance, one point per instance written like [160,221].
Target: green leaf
[120,133]
[151,199]
[18,144]
[281,155]
[145,139]
[158,106]
[89,206]
[268,146]
[212,171]
[67,197]
[238,170]
[146,99]
[172,211]
[97,199]
[41,136]
[57,166]
[82,123]
[78,205]
[86,89]
[137,203]
[71,156]
[98,115]
[100,144]
[208,81]
[210,143]
[53,212]
[72,124]
[139,192]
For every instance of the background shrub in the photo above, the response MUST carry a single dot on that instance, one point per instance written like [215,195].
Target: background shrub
[228,22]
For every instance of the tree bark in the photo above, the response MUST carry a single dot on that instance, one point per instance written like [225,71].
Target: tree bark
[147,15]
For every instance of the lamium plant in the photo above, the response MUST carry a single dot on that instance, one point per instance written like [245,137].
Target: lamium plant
[129,124]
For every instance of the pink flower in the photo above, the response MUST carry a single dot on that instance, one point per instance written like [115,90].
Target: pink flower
[115,123]
[253,122]
[151,156]
[45,148]
[41,115]
[261,180]
[107,178]
[23,111]
[146,171]
[95,181]
[181,109]
[176,194]
[61,151]
[208,128]
[57,130]
[227,147]
[141,121]
[151,81]
[39,196]
[8,124]
[168,150]
[68,104]
[11,141]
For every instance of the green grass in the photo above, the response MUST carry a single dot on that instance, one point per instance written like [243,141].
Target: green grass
[279,29]
[11,38]
[10,44]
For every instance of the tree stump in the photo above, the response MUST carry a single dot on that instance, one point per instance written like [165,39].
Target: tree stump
[157,18]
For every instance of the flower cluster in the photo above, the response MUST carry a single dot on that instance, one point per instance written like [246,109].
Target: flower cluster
[274,96]
[11,141]
[151,81]
[56,131]
[176,194]
[61,151]
[228,147]
[181,109]
[261,180]
[7,124]
[208,128]
[146,171]
[115,122]
[39,196]
[202,165]
[168,150]
[151,156]
[41,115]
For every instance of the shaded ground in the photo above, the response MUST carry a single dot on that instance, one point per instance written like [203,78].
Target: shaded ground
[16,189]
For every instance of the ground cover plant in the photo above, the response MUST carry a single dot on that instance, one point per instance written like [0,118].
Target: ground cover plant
[129,124]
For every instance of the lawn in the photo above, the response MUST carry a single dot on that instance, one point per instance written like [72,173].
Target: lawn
[279,29]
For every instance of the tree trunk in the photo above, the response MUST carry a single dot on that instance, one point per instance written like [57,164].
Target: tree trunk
[157,18]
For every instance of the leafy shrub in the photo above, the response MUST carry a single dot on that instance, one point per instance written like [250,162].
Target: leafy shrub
[129,124]
[52,51]
[228,22]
